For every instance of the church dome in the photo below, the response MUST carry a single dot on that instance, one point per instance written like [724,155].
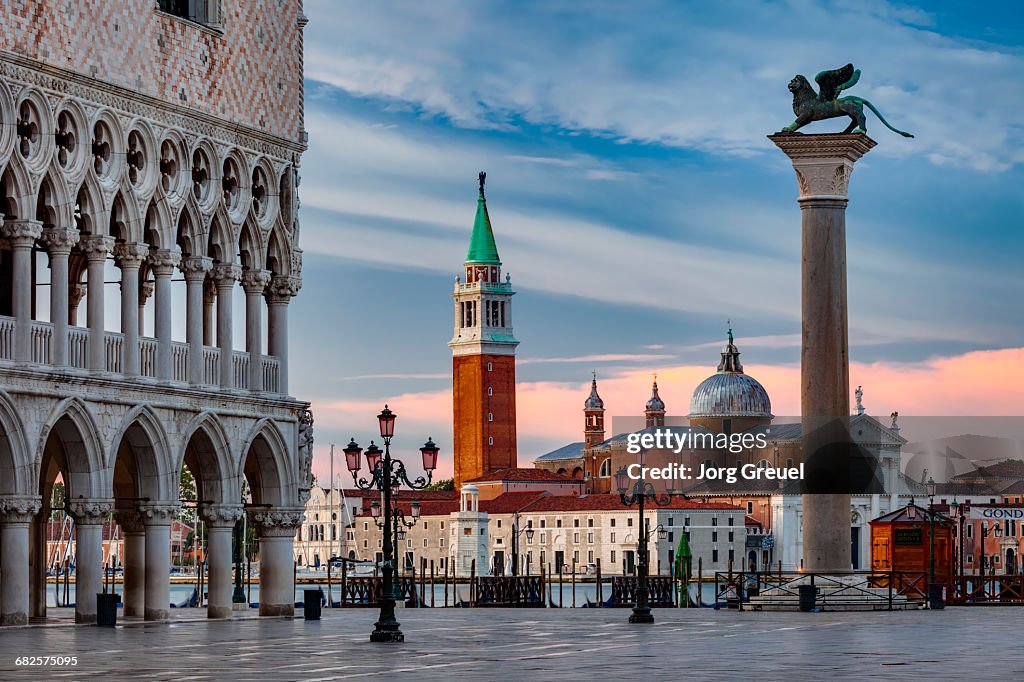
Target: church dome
[730,392]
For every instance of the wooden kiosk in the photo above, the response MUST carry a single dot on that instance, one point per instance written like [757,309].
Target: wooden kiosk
[901,542]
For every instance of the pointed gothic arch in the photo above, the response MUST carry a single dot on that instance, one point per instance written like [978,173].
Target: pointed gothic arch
[139,460]
[15,463]
[70,444]
[264,463]
[16,197]
[207,452]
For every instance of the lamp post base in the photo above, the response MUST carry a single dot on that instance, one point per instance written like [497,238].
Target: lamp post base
[387,636]
[641,614]
[387,628]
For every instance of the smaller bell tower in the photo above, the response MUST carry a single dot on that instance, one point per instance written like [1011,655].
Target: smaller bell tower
[593,417]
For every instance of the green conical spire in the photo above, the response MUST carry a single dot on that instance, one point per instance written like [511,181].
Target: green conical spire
[482,248]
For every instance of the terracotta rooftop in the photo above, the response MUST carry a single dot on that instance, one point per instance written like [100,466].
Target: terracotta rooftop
[1009,468]
[525,474]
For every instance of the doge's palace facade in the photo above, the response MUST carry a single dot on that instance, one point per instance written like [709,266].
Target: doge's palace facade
[148,171]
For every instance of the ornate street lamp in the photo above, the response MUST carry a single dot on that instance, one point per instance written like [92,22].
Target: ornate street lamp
[931,537]
[516,532]
[641,492]
[387,475]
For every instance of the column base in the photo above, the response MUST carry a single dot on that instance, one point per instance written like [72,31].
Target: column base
[641,616]
[220,611]
[387,636]
[277,609]
[85,618]
[133,612]
[157,614]
[239,606]
[14,619]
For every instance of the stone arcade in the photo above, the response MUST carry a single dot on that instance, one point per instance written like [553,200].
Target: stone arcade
[155,141]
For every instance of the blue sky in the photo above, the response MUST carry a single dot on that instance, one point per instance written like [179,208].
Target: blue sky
[636,201]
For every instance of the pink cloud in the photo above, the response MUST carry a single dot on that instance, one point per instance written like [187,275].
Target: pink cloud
[550,414]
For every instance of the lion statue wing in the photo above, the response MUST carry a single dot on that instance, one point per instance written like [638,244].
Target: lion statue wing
[831,83]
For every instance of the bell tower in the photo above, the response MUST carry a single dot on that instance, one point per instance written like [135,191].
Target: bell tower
[483,358]
[593,417]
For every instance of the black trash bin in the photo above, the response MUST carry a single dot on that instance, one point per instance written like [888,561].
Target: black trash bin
[808,595]
[106,609]
[311,604]
[935,596]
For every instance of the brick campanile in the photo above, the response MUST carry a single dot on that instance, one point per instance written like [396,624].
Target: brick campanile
[483,359]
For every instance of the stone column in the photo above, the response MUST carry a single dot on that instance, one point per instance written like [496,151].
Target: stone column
[823,165]
[195,268]
[162,263]
[89,515]
[59,242]
[145,292]
[220,523]
[209,298]
[279,295]
[96,249]
[15,516]
[157,517]
[254,282]
[277,534]
[226,275]
[22,236]
[134,561]
[129,257]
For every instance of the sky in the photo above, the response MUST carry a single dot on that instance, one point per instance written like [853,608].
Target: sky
[639,206]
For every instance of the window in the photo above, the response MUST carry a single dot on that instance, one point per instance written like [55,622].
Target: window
[730,520]
[489,367]
[543,537]
[590,557]
[490,391]
[490,416]
[732,555]
[366,544]
[714,520]
[442,525]
[612,523]
[970,530]
[199,11]
[970,558]
[440,543]
[590,537]
[467,531]
[529,523]
[529,558]
[576,538]
[613,556]
[606,468]
[714,536]
[590,522]
[575,523]
[731,538]
[499,523]
[558,523]
[543,557]
[750,507]
[714,556]
[575,556]
[629,522]
[424,543]
[789,461]
[542,523]
[366,526]
[490,440]
[671,538]
[497,541]
[686,521]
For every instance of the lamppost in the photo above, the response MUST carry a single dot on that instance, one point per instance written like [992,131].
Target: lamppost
[931,537]
[398,524]
[516,531]
[960,512]
[641,492]
[238,596]
[387,475]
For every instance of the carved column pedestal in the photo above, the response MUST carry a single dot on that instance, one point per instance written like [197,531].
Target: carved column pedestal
[823,165]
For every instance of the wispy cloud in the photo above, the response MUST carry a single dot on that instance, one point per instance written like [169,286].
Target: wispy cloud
[601,358]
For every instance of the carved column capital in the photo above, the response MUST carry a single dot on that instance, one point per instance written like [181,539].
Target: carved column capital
[60,240]
[823,163]
[226,274]
[220,515]
[282,288]
[130,521]
[158,513]
[255,281]
[195,268]
[277,521]
[145,291]
[75,294]
[209,292]
[130,255]
[89,511]
[19,508]
[96,247]
[21,233]
[163,261]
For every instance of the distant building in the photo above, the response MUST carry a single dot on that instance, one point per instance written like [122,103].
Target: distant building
[732,402]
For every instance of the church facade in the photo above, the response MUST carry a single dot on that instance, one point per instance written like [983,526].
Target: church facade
[149,160]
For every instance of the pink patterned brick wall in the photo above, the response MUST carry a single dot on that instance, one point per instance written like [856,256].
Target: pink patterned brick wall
[247,70]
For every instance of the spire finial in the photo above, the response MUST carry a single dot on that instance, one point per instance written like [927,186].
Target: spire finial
[483,177]
[729,322]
